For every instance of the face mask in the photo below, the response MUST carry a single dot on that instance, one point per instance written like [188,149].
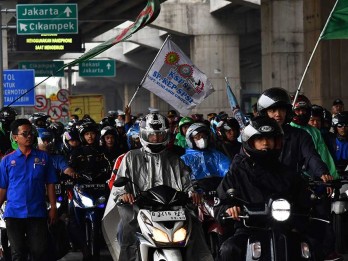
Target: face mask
[202,143]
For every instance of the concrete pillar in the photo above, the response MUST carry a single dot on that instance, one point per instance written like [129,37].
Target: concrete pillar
[218,57]
[282,43]
[326,78]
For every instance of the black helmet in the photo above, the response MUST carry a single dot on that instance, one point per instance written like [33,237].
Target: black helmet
[193,130]
[275,98]
[225,125]
[71,134]
[340,119]
[154,123]
[262,126]
[327,119]
[39,119]
[7,115]
[57,128]
[86,127]
[106,131]
[317,111]
[302,102]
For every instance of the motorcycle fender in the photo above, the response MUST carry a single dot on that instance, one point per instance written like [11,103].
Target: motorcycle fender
[167,254]
[339,207]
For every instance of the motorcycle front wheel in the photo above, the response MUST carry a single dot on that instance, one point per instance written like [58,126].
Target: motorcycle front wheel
[92,238]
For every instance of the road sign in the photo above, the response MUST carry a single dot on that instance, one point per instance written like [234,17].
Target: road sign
[40,102]
[54,112]
[98,68]
[63,95]
[64,107]
[44,68]
[47,19]
[16,83]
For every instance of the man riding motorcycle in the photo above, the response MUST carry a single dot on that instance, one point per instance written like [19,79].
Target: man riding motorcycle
[147,167]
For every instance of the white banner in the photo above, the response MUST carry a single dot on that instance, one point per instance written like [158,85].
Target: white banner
[175,79]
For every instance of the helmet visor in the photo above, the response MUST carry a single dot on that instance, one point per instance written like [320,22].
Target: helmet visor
[154,136]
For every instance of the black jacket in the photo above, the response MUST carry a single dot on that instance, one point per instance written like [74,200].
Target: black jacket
[299,152]
[256,183]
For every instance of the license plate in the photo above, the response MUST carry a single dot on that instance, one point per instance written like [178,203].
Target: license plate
[58,189]
[92,186]
[168,215]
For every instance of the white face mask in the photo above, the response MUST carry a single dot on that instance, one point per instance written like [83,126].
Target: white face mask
[202,143]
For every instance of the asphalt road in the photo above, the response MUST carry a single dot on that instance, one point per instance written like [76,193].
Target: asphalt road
[77,256]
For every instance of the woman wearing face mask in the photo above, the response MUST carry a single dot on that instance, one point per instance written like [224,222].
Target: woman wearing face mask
[203,160]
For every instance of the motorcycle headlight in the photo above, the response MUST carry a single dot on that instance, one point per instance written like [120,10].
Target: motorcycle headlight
[305,251]
[280,209]
[256,250]
[160,236]
[86,201]
[180,235]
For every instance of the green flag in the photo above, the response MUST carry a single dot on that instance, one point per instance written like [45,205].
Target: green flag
[337,25]
[145,17]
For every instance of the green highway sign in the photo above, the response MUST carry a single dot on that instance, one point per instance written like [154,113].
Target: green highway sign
[44,68]
[47,19]
[98,68]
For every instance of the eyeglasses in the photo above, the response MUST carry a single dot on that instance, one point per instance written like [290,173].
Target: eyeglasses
[26,134]
[341,125]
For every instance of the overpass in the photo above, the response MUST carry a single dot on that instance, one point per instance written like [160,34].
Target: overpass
[222,38]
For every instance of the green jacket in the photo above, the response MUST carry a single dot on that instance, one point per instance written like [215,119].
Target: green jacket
[321,147]
[180,140]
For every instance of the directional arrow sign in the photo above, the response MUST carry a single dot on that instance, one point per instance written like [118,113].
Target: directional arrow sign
[47,19]
[44,68]
[98,68]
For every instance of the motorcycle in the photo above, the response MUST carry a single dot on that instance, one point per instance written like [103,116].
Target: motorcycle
[164,222]
[89,201]
[213,231]
[270,234]
[339,210]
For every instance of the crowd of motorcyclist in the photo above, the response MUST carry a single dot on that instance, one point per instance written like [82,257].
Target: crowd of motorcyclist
[281,143]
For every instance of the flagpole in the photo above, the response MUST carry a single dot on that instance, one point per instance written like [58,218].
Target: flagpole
[311,57]
[147,72]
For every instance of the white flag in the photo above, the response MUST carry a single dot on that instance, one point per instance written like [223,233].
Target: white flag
[175,79]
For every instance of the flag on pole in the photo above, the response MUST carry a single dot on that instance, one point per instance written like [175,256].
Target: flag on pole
[337,26]
[145,17]
[236,112]
[175,79]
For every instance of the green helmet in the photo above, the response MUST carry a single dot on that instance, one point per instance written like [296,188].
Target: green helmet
[184,121]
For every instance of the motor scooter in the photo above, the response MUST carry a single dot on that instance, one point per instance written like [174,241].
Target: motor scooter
[164,222]
[270,233]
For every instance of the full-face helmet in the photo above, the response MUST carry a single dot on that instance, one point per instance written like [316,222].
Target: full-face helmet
[151,126]
[262,126]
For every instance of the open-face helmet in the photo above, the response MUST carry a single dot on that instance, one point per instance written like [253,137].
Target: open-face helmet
[262,126]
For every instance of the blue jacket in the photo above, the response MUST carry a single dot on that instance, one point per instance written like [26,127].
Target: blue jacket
[204,163]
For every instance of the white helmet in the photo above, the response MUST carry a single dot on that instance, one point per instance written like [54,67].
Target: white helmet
[154,124]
